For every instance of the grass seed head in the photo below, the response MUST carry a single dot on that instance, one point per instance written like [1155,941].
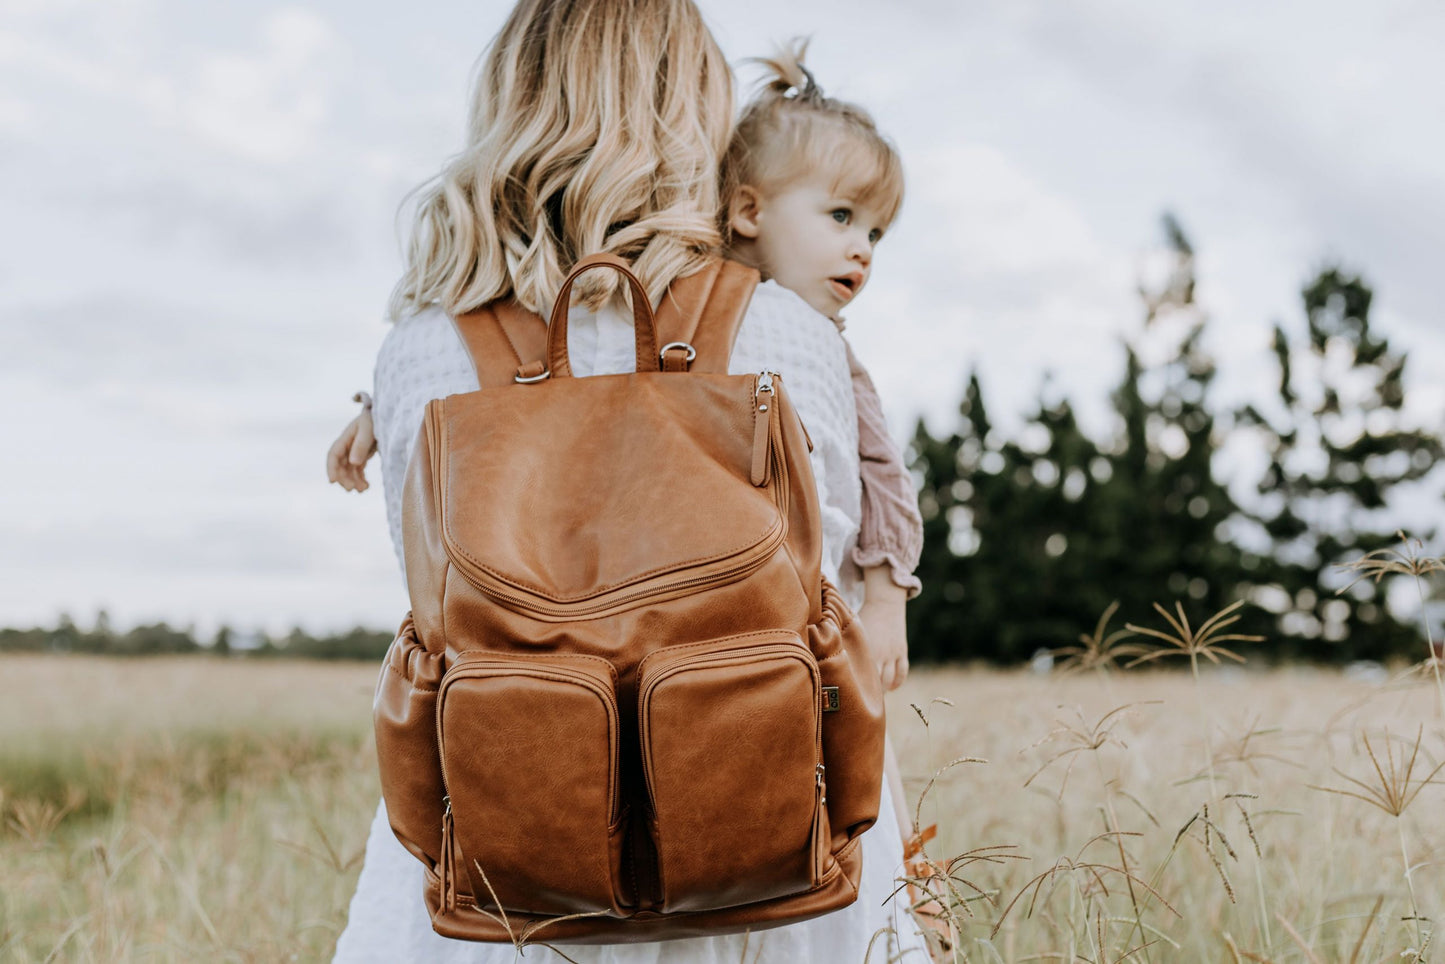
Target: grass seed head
[1394,786]
[1382,562]
[1098,651]
[1186,641]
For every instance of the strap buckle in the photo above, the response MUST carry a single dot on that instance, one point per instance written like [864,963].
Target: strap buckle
[691,351]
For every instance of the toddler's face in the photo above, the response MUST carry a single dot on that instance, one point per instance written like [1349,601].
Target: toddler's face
[811,240]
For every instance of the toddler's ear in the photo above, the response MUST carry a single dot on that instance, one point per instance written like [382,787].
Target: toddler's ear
[743,210]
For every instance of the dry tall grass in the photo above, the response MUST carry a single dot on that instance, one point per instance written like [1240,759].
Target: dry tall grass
[180,809]
[189,809]
[1106,790]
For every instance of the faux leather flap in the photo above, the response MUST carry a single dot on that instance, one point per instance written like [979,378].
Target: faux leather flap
[576,489]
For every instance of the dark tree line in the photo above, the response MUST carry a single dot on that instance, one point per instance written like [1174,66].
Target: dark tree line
[158,639]
[1029,538]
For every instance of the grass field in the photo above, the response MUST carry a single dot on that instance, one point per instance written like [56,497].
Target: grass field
[190,809]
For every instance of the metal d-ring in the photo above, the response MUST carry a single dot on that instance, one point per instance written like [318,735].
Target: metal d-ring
[691,351]
[532,380]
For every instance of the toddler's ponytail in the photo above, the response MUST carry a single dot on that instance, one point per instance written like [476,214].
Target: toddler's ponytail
[791,129]
[790,79]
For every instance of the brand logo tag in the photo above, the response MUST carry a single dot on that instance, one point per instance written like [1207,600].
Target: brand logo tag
[831,701]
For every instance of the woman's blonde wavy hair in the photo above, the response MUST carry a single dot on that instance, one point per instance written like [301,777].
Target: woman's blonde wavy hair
[595,125]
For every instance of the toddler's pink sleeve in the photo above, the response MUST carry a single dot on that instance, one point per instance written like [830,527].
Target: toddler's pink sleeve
[891,530]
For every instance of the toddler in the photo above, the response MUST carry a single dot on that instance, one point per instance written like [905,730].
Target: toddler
[809,188]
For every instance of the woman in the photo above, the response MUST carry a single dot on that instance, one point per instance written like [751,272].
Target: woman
[597,125]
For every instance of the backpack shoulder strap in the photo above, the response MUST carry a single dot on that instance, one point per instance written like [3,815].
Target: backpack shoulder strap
[721,292]
[505,340]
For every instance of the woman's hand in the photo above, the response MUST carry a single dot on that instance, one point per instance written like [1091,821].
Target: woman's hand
[885,626]
[347,457]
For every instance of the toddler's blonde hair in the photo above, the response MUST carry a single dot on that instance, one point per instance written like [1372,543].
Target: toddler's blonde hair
[791,129]
[595,125]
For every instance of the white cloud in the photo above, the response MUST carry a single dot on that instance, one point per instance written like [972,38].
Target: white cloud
[16,115]
[269,104]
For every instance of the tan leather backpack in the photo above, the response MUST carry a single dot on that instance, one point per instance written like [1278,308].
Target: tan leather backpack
[624,689]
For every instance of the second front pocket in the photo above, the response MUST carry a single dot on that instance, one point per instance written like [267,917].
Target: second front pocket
[731,754]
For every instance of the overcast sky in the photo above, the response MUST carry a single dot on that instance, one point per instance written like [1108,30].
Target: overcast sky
[197,202]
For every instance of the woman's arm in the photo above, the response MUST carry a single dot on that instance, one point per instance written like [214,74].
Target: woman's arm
[421,358]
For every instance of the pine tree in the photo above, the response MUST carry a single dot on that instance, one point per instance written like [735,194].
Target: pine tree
[1027,544]
[1338,444]
[1163,498]
[935,615]
[1009,548]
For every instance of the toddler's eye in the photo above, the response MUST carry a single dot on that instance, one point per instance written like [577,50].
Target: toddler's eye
[842,215]
[875,236]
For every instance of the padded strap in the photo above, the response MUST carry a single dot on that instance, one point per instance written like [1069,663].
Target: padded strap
[722,291]
[505,339]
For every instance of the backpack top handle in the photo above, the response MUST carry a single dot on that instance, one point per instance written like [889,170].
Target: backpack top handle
[642,323]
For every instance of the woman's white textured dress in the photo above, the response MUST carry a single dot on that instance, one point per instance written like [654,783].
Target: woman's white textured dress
[422,358]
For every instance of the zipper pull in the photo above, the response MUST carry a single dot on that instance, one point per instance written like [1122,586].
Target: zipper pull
[447,870]
[764,398]
[822,840]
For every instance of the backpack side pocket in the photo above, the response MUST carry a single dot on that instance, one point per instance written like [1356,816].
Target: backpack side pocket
[854,728]
[404,715]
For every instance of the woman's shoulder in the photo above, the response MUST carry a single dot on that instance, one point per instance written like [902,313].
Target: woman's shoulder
[423,356]
[417,335]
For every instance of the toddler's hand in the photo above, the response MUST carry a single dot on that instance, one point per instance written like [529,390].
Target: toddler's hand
[886,630]
[347,457]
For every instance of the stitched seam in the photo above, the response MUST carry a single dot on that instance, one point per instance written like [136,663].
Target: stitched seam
[408,680]
[828,879]
[438,461]
[742,314]
[710,642]
[461,550]
[517,355]
[695,322]
[455,544]
[477,655]
[558,678]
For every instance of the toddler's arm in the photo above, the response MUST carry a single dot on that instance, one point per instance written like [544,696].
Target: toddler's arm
[890,534]
[890,537]
[884,625]
[346,459]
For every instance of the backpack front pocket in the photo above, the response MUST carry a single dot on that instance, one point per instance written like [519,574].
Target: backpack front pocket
[530,759]
[731,754]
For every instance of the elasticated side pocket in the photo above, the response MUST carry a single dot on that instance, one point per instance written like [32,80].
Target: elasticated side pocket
[731,752]
[404,716]
[530,756]
[854,730]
